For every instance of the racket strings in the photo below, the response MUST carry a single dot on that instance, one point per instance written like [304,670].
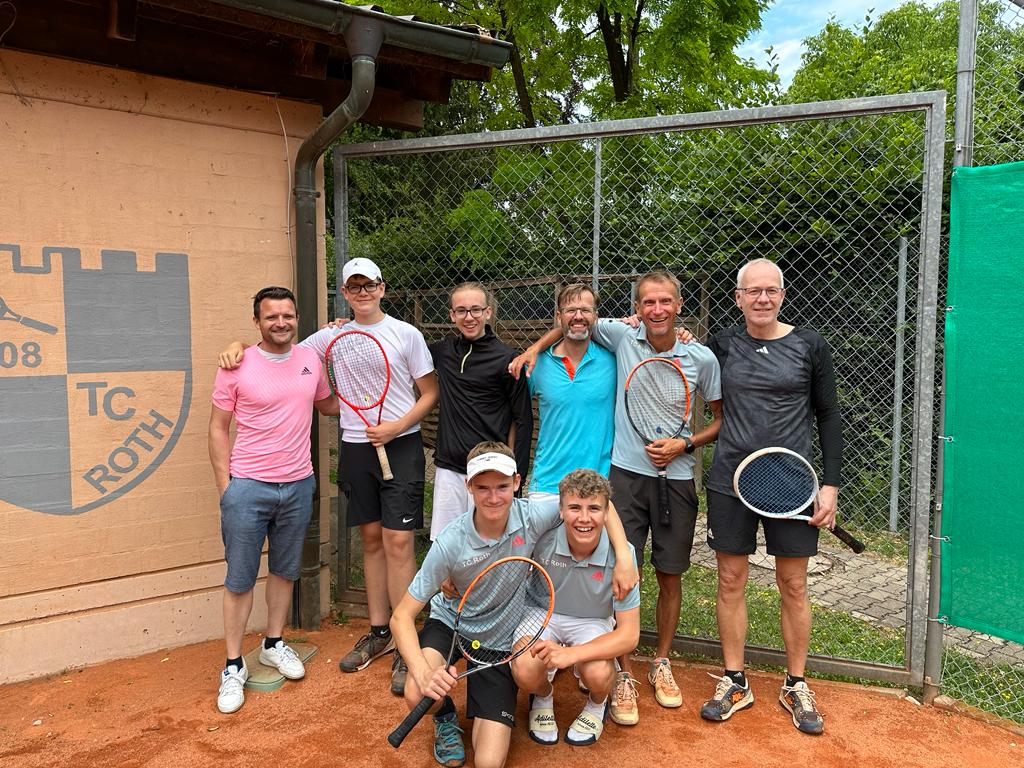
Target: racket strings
[657,400]
[777,484]
[358,370]
[500,608]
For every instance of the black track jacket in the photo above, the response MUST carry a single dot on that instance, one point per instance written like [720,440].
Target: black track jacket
[479,400]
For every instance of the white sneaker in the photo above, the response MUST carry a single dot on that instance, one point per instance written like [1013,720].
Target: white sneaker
[285,659]
[231,696]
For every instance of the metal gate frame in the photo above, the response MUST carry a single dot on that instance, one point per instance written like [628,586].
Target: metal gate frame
[933,105]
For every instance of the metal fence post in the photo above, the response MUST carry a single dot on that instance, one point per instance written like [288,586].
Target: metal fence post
[966,63]
[897,387]
[596,253]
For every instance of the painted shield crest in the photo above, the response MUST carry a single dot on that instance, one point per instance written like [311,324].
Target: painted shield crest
[95,375]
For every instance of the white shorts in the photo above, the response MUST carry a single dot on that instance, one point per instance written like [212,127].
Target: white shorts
[542,496]
[451,499]
[569,630]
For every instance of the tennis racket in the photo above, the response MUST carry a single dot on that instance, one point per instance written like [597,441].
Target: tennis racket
[6,313]
[511,598]
[360,374]
[780,483]
[658,406]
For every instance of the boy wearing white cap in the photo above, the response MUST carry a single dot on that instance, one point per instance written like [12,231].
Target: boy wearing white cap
[499,526]
[388,513]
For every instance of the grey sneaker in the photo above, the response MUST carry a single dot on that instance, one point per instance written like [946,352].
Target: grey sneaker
[729,699]
[399,671]
[367,648]
[798,700]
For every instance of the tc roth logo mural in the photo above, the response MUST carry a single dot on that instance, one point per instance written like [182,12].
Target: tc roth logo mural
[95,374]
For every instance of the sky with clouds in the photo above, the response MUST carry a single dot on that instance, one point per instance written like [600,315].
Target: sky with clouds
[786,24]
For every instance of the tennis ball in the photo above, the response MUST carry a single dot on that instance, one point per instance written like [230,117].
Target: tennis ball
[475,644]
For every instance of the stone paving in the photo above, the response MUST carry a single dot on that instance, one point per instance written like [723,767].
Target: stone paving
[870,589]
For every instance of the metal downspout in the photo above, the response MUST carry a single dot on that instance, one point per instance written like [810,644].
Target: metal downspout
[363,39]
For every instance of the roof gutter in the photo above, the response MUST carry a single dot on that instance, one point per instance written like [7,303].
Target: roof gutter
[335,17]
[364,30]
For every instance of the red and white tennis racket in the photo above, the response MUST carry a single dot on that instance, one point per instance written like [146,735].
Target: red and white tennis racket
[360,374]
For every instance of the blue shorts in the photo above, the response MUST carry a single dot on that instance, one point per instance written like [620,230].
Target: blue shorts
[251,512]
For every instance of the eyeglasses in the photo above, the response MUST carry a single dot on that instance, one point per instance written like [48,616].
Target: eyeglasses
[356,288]
[571,311]
[461,312]
[753,293]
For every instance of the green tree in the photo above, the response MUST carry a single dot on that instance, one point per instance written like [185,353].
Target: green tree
[577,60]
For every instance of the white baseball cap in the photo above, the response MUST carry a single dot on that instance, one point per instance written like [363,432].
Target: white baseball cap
[490,462]
[360,266]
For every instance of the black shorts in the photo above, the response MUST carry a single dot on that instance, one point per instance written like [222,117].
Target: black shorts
[396,504]
[636,499]
[490,693]
[732,530]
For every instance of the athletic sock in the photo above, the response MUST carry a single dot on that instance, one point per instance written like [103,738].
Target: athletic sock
[236,663]
[791,680]
[737,677]
[381,631]
[270,642]
[447,707]
[544,702]
[596,711]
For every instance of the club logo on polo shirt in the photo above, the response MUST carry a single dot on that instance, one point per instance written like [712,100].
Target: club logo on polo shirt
[518,541]
[597,575]
[95,373]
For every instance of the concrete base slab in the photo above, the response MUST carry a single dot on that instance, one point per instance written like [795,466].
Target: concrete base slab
[263,678]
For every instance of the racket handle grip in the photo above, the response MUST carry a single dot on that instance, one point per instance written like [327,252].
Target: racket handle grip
[847,538]
[666,516]
[44,327]
[385,465]
[397,736]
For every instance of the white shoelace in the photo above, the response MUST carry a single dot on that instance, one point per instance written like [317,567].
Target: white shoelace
[625,689]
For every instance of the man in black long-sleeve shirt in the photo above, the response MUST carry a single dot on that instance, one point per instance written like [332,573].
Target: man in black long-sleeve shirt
[777,380]
[479,400]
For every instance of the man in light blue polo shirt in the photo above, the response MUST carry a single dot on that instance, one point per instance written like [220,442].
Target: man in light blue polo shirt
[500,525]
[634,467]
[589,626]
[574,383]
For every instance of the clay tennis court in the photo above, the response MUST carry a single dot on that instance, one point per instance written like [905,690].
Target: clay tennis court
[159,710]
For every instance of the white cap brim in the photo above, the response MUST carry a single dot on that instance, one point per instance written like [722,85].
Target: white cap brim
[490,462]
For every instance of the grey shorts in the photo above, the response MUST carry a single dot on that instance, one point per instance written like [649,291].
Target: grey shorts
[636,498]
[732,530]
[251,512]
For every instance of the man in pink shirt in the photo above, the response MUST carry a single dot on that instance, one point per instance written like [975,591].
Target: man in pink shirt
[265,480]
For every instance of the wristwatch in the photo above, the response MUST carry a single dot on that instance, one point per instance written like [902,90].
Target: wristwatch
[689,445]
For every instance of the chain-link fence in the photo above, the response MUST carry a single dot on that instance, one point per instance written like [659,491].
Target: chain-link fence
[844,195]
[980,670]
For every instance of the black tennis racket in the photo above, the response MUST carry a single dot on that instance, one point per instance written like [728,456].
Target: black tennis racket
[360,374]
[780,483]
[658,406]
[511,597]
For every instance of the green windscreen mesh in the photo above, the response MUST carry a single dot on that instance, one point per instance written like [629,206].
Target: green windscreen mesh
[983,504]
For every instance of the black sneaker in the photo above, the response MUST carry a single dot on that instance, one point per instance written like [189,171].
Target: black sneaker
[399,671]
[729,699]
[799,702]
[367,648]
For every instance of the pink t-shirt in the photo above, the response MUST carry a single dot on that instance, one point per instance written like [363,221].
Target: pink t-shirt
[273,406]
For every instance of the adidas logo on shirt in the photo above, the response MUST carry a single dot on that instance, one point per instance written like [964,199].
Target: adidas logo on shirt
[306,372]
[762,350]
